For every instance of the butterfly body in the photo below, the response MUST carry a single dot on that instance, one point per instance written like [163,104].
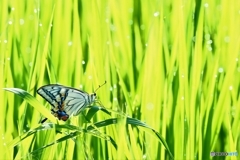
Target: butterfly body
[65,101]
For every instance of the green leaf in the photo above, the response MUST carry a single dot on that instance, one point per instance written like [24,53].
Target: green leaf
[33,102]
[134,122]
[93,110]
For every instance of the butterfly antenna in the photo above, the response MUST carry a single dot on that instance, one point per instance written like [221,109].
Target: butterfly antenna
[100,86]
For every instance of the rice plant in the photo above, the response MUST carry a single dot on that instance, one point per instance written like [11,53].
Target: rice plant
[172,71]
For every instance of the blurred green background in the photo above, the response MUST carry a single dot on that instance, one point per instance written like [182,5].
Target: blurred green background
[171,64]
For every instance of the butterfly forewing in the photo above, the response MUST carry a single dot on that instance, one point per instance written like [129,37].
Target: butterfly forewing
[66,99]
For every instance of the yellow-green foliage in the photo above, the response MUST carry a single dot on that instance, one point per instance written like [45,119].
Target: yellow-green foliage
[171,64]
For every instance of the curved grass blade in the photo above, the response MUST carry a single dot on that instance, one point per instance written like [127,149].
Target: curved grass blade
[32,101]
[72,135]
[17,140]
[134,122]
[93,110]
[47,126]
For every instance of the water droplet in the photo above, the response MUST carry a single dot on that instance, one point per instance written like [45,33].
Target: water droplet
[12,8]
[115,99]
[230,88]
[10,22]
[182,98]
[31,17]
[207,36]
[115,86]
[8,58]
[209,48]
[182,76]
[89,77]
[227,39]
[130,10]
[142,27]
[28,50]
[112,27]
[209,41]
[30,64]
[117,44]
[70,43]
[108,42]
[233,110]
[144,156]
[80,86]
[130,22]
[111,88]
[40,24]
[206,5]
[21,21]
[220,70]
[5,41]
[194,39]
[156,14]
[83,62]
[150,106]
[236,59]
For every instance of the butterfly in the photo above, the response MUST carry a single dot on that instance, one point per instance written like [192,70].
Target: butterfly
[66,101]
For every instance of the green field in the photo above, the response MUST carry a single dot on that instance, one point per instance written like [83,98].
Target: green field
[172,70]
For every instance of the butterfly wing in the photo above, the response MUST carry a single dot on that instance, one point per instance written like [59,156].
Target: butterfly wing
[66,99]
[76,101]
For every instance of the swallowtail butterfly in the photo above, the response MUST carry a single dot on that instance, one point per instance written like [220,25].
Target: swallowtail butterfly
[66,101]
